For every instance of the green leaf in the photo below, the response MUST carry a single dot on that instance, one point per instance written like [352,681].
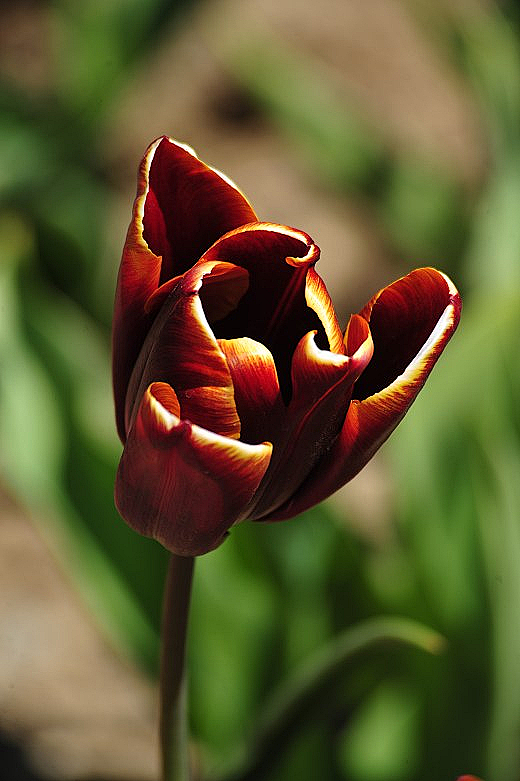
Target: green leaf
[306,691]
[381,742]
[41,446]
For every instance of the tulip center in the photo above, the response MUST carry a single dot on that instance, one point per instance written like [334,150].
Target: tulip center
[273,311]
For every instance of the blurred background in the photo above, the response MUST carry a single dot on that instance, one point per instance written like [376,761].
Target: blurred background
[390,132]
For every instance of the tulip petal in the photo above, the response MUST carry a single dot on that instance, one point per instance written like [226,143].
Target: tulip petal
[285,299]
[182,351]
[189,205]
[318,300]
[182,206]
[257,392]
[402,318]
[430,307]
[357,333]
[322,387]
[181,484]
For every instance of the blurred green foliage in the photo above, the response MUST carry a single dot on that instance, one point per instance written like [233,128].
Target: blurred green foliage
[274,595]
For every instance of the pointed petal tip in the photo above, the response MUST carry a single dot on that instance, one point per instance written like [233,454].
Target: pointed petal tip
[189,149]
[182,146]
[175,189]
[318,300]
[358,341]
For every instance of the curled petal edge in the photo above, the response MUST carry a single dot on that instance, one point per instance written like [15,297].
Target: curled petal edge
[256,389]
[181,350]
[322,388]
[370,422]
[181,484]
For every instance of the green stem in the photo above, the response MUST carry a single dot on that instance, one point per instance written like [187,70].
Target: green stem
[173,720]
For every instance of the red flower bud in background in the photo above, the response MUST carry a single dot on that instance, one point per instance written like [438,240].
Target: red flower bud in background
[237,393]
[468,778]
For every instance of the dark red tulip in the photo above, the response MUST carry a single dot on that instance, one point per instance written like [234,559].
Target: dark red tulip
[237,393]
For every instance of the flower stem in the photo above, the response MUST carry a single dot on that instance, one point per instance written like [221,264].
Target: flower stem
[173,718]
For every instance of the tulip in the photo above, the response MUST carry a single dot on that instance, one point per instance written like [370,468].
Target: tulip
[237,394]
